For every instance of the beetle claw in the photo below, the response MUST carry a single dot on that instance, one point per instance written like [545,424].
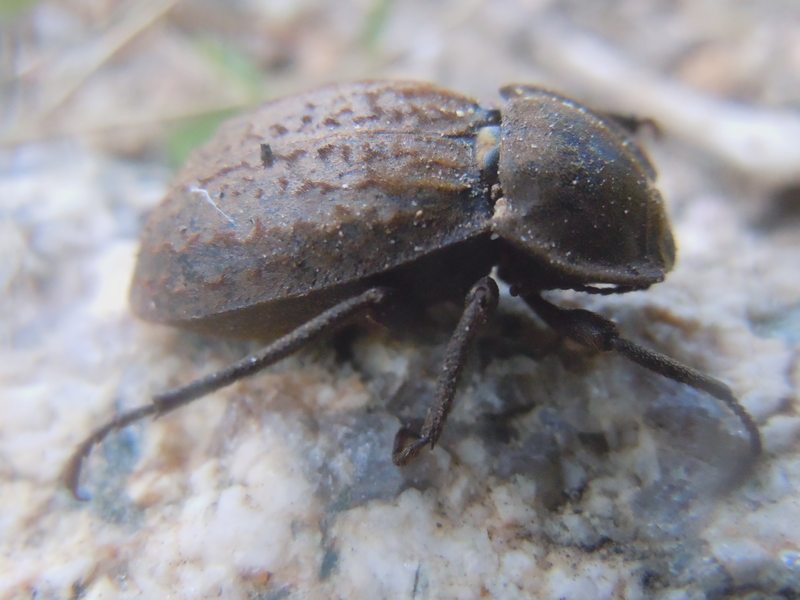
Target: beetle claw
[407,445]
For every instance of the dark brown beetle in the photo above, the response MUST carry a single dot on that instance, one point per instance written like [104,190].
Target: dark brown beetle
[326,206]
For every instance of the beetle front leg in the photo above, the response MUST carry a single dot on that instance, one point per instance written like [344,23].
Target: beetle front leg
[599,333]
[480,303]
[171,399]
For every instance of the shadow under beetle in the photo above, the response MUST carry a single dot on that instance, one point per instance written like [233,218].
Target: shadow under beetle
[327,206]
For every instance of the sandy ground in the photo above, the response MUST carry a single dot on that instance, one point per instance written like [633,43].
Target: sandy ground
[562,475]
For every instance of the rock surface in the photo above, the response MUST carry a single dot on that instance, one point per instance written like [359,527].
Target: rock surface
[562,474]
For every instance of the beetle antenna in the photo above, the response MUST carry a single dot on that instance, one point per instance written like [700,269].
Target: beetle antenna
[599,333]
[170,400]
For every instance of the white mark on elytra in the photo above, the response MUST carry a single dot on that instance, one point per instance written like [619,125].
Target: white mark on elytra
[207,197]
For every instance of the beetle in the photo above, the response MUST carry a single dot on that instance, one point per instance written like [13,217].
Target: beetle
[325,207]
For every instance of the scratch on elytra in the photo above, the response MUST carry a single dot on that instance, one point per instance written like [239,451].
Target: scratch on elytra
[207,197]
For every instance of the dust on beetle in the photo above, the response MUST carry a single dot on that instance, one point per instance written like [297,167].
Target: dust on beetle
[319,209]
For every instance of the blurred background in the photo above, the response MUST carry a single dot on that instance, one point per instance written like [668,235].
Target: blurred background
[148,80]
[102,100]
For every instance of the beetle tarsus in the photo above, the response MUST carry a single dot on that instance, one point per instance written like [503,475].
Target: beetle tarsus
[72,473]
[170,400]
[407,445]
[599,333]
[480,303]
[668,367]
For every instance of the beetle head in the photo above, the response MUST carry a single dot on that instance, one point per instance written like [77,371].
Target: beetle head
[578,195]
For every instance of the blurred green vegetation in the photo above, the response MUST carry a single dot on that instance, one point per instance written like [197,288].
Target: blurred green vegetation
[11,8]
[190,133]
[235,67]
[375,23]
[237,70]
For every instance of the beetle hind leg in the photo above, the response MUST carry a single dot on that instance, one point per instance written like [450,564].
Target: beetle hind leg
[599,333]
[175,398]
[480,303]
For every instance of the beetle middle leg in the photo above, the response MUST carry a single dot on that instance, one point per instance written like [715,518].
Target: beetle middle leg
[480,303]
[281,348]
[596,332]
